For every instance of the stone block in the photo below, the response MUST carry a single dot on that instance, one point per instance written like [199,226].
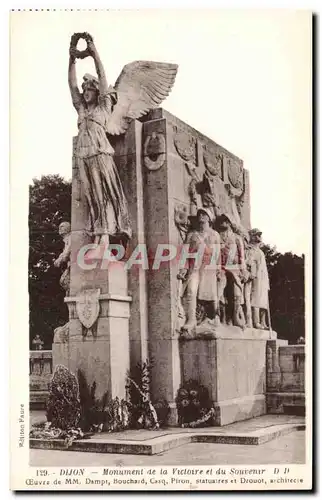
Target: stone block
[286,403]
[99,358]
[38,400]
[235,410]
[273,381]
[292,382]
[233,368]
[286,362]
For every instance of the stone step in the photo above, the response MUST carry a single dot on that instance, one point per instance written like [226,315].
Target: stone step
[38,399]
[160,441]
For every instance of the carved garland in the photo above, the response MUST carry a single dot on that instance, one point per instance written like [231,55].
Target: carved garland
[154,151]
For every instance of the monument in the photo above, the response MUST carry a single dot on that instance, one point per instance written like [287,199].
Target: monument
[154,190]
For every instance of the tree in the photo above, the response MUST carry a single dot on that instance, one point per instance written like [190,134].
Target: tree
[49,205]
[287,298]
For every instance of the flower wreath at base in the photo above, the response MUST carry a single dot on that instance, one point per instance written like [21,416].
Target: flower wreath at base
[194,405]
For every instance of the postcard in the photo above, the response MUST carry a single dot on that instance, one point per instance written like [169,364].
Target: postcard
[160,276]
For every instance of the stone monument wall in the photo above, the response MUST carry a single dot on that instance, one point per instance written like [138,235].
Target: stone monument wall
[168,170]
[158,158]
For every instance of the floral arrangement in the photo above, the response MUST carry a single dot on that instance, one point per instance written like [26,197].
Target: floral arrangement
[144,414]
[74,411]
[46,430]
[63,404]
[104,414]
[63,409]
[194,405]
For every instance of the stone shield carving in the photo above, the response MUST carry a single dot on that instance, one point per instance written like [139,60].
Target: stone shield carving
[235,174]
[185,146]
[87,307]
[213,162]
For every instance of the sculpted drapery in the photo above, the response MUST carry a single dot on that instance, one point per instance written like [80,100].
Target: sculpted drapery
[103,110]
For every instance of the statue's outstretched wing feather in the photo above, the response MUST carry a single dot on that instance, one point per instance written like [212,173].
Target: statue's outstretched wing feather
[141,86]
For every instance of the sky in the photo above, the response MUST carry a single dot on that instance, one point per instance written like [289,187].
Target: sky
[244,80]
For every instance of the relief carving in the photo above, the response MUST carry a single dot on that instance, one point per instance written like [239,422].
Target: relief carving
[213,162]
[87,307]
[181,219]
[185,146]
[63,260]
[154,151]
[235,173]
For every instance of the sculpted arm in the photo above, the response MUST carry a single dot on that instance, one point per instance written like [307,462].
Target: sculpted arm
[72,79]
[103,88]
[65,255]
[184,270]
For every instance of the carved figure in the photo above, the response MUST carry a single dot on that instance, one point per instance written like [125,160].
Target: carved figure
[64,257]
[256,289]
[37,343]
[233,273]
[225,197]
[198,282]
[61,334]
[102,110]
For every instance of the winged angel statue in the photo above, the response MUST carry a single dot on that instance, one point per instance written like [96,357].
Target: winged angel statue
[102,110]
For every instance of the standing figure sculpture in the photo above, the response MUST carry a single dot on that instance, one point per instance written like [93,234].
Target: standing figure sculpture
[64,257]
[104,110]
[200,282]
[257,287]
[233,273]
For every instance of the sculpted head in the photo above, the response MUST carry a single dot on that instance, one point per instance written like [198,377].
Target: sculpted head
[255,236]
[224,223]
[205,215]
[64,228]
[90,88]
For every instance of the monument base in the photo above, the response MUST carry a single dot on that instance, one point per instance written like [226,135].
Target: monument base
[231,363]
[60,346]
[235,410]
[96,338]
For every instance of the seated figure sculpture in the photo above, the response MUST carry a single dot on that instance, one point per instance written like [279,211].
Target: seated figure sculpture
[198,282]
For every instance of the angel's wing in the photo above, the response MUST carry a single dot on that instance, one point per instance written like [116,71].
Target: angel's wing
[141,86]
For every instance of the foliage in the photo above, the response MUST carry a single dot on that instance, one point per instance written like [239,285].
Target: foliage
[117,416]
[104,414]
[93,410]
[143,412]
[48,431]
[49,205]
[162,409]
[287,298]
[73,411]
[63,404]
[194,405]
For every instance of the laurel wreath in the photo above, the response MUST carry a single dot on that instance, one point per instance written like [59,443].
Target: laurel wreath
[80,54]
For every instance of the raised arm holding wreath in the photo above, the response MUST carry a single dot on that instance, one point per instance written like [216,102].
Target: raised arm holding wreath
[103,110]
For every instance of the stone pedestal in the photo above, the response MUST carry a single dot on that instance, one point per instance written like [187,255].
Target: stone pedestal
[102,351]
[231,363]
[96,338]
[285,378]
[40,373]
[160,159]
